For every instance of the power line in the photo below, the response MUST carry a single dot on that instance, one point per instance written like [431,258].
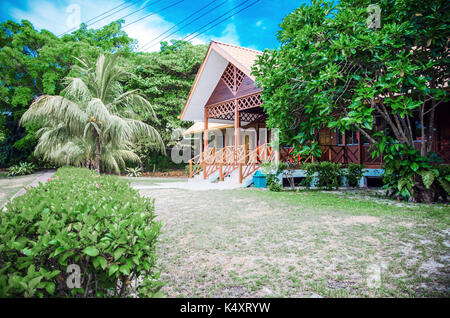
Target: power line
[132,3]
[251,4]
[235,7]
[148,5]
[148,15]
[185,19]
[87,22]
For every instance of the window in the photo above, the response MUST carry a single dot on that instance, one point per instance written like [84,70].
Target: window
[350,138]
[339,140]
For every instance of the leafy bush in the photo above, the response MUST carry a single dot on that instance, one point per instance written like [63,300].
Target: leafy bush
[354,173]
[409,175]
[21,169]
[98,223]
[328,174]
[272,172]
[134,172]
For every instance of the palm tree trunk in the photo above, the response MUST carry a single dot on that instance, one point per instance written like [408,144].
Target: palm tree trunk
[97,153]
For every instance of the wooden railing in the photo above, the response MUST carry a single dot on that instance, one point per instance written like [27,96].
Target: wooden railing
[227,160]
[287,155]
[195,165]
[248,164]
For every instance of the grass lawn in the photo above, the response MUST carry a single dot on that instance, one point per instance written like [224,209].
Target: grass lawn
[9,186]
[253,243]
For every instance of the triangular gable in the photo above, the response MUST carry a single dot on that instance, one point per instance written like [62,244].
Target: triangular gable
[217,59]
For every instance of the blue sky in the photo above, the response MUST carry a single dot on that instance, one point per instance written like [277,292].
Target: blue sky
[255,27]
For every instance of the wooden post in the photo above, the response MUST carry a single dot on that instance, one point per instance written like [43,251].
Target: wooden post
[240,172]
[236,130]
[204,169]
[221,171]
[190,168]
[344,142]
[358,135]
[201,147]
[205,130]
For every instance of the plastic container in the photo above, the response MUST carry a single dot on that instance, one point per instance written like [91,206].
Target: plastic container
[259,180]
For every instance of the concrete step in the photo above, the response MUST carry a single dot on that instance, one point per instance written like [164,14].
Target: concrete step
[232,178]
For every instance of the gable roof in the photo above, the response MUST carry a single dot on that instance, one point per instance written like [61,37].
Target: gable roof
[214,63]
[241,57]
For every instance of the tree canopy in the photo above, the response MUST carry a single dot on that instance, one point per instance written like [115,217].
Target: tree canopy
[92,123]
[35,63]
[334,70]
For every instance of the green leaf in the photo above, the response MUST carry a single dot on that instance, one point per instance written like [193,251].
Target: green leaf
[125,269]
[50,288]
[103,263]
[118,253]
[91,251]
[114,268]
[427,178]
[33,283]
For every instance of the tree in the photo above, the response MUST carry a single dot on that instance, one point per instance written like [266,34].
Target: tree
[164,78]
[334,71]
[35,63]
[91,123]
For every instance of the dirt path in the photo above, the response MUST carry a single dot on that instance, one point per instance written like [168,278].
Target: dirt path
[249,243]
[13,187]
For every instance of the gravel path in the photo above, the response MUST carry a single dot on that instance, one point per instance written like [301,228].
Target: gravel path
[24,181]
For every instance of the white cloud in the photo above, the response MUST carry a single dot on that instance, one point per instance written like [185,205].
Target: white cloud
[229,35]
[260,24]
[55,17]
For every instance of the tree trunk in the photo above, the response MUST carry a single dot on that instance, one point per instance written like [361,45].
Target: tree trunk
[422,131]
[431,127]
[420,194]
[97,152]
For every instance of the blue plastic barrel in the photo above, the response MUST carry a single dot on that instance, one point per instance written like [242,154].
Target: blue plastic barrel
[259,180]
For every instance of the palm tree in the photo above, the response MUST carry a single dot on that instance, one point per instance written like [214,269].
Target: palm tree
[92,123]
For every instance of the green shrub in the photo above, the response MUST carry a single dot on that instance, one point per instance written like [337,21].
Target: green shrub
[354,173]
[98,223]
[134,172]
[328,174]
[272,172]
[411,176]
[21,169]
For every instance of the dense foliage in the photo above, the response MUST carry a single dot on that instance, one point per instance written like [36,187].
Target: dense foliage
[21,169]
[354,172]
[334,70]
[96,222]
[164,78]
[35,63]
[325,175]
[92,123]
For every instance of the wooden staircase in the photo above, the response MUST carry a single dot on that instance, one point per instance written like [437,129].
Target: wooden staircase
[227,160]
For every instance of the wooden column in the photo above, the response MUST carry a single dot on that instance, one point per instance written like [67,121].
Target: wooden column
[205,130]
[236,130]
[358,135]
[344,142]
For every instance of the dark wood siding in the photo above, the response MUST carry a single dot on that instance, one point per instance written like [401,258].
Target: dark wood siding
[220,93]
[247,87]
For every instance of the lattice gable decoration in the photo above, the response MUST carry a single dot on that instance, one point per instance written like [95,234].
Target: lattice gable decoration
[233,77]
[226,109]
